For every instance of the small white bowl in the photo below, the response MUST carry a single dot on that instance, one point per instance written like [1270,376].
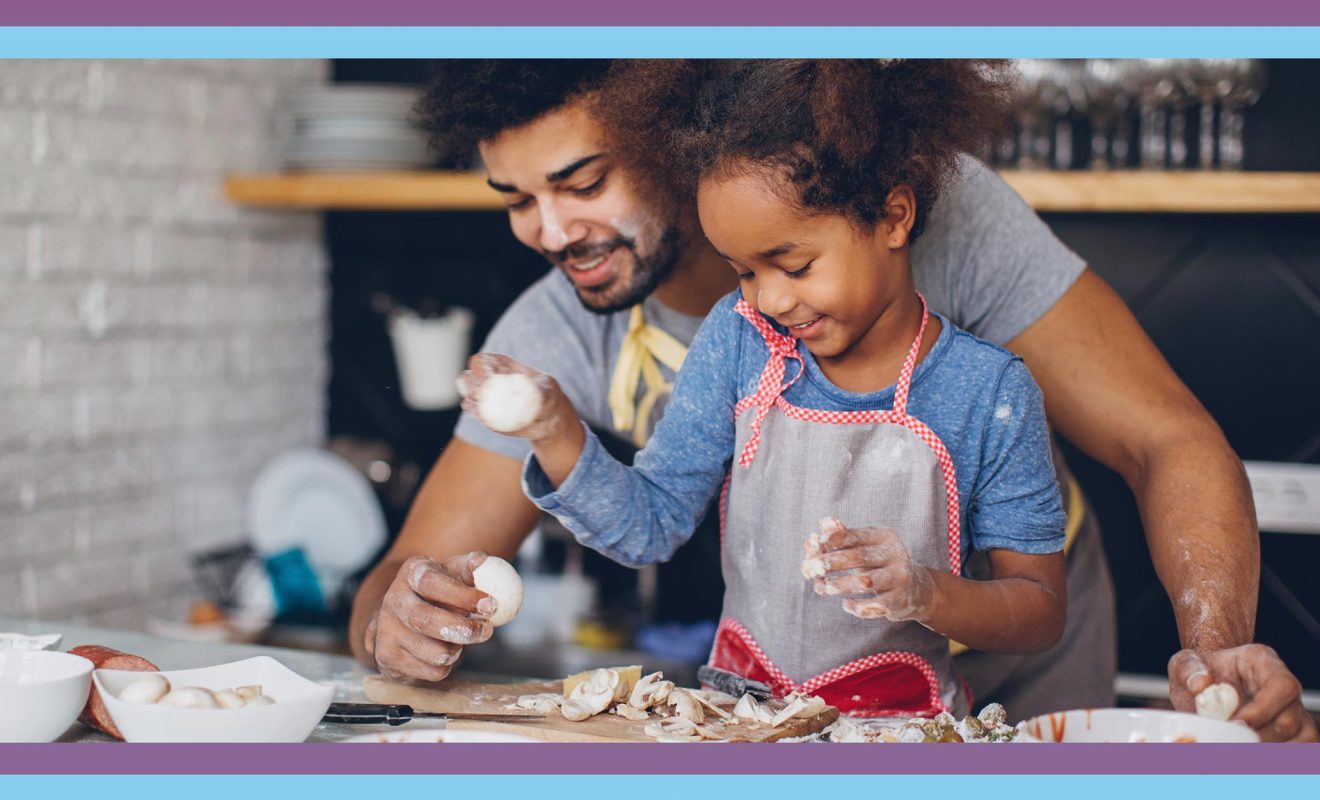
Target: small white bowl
[1131,725]
[41,693]
[298,707]
[439,736]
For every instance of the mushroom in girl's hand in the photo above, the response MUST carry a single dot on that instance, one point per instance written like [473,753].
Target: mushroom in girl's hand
[508,402]
[497,578]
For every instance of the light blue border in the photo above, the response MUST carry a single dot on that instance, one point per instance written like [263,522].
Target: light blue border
[659,787]
[614,42]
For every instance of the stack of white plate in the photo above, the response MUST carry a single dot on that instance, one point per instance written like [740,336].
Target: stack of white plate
[350,127]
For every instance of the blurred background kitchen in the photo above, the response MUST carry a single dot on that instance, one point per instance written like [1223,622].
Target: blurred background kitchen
[234,296]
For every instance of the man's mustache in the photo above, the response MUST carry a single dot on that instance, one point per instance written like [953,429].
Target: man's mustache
[585,251]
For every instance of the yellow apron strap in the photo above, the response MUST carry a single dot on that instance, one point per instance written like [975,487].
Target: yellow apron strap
[1076,516]
[643,346]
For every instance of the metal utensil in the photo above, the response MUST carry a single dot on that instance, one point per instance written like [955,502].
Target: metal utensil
[386,714]
[732,684]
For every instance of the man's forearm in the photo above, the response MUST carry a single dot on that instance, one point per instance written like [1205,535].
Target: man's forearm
[1200,525]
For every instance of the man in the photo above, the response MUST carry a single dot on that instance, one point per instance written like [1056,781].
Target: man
[634,277]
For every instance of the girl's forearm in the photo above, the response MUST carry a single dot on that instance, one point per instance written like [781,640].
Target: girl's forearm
[559,451]
[1004,615]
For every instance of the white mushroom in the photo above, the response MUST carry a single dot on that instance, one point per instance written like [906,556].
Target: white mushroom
[686,706]
[190,697]
[993,715]
[509,402]
[708,703]
[228,698]
[673,727]
[593,695]
[746,708]
[540,703]
[147,689]
[651,690]
[1217,701]
[798,706]
[630,712]
[497,578]
[248,692]
[261,700]
[574,711]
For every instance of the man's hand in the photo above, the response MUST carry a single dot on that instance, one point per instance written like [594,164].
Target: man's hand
[430,611]
[870,567]
[1271,695]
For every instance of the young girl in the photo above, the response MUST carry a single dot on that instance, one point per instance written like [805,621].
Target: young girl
[864,445]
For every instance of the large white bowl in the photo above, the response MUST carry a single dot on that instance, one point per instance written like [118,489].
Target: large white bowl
[41,693]
[298,707]
[1131,725]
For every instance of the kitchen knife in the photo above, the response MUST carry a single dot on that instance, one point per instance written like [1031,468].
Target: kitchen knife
[386,714]
[730,683]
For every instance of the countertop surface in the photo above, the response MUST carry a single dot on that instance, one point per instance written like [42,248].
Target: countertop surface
[341,672]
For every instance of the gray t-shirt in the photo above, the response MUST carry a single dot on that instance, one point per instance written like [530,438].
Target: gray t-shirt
[985,261]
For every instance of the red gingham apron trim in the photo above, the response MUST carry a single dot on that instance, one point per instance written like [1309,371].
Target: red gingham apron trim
[771,383]
[783,685]
[724,504]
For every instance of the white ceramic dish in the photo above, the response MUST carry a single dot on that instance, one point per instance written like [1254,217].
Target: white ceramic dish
[21,641]
[298,707]
[436,736]
[314,500]
[41,693]
[1131,725]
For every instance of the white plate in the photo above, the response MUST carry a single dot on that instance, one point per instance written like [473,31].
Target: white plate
[21,641]
[1131,725]
[433,736]
[314,500]
[298,707]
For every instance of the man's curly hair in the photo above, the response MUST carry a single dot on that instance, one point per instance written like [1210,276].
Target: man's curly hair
[470,101]
[843,133]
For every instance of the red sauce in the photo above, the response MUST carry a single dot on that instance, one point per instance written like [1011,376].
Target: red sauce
[1088,718]
[1058,725]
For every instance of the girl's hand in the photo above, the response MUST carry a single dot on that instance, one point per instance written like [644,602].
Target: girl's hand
[535,409]
[871,568]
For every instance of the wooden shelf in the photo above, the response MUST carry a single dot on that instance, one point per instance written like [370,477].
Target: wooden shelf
[1072,192]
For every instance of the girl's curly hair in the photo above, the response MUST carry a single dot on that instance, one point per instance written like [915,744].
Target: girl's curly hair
[844,133]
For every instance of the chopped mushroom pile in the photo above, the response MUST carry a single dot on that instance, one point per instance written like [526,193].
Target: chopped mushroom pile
[672,714]
[988,726]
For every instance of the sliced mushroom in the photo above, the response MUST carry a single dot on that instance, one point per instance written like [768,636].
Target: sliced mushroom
[540,703]
[687,706]
[631,712]
[643,694]
[798,706]
[672,726]
[593,695]
[706,701]
[746,708]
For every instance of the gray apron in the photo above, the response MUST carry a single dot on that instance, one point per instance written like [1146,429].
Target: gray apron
[867,468]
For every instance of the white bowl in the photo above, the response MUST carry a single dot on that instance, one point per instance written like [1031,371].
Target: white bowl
[1131,725]
[41,693]
[298,707]
[440,736]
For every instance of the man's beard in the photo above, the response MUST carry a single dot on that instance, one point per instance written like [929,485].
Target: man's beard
[624,292]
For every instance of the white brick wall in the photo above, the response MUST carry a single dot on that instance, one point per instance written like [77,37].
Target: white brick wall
[157,344]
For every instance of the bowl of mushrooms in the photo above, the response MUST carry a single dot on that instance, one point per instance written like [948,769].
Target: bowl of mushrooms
[254,700]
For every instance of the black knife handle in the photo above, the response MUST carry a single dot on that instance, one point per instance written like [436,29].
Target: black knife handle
[367,714]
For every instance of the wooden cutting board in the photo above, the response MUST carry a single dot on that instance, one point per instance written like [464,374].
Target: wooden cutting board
[495,698]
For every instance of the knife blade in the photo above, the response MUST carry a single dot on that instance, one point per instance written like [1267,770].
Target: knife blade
[395,714]
[732,684]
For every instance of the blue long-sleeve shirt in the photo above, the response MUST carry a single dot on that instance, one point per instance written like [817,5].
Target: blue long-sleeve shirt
[978,398]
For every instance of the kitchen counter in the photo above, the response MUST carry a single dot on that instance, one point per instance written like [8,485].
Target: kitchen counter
[341,672]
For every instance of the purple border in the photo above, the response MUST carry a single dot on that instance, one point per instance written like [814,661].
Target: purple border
[1029,13]
[624,759]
